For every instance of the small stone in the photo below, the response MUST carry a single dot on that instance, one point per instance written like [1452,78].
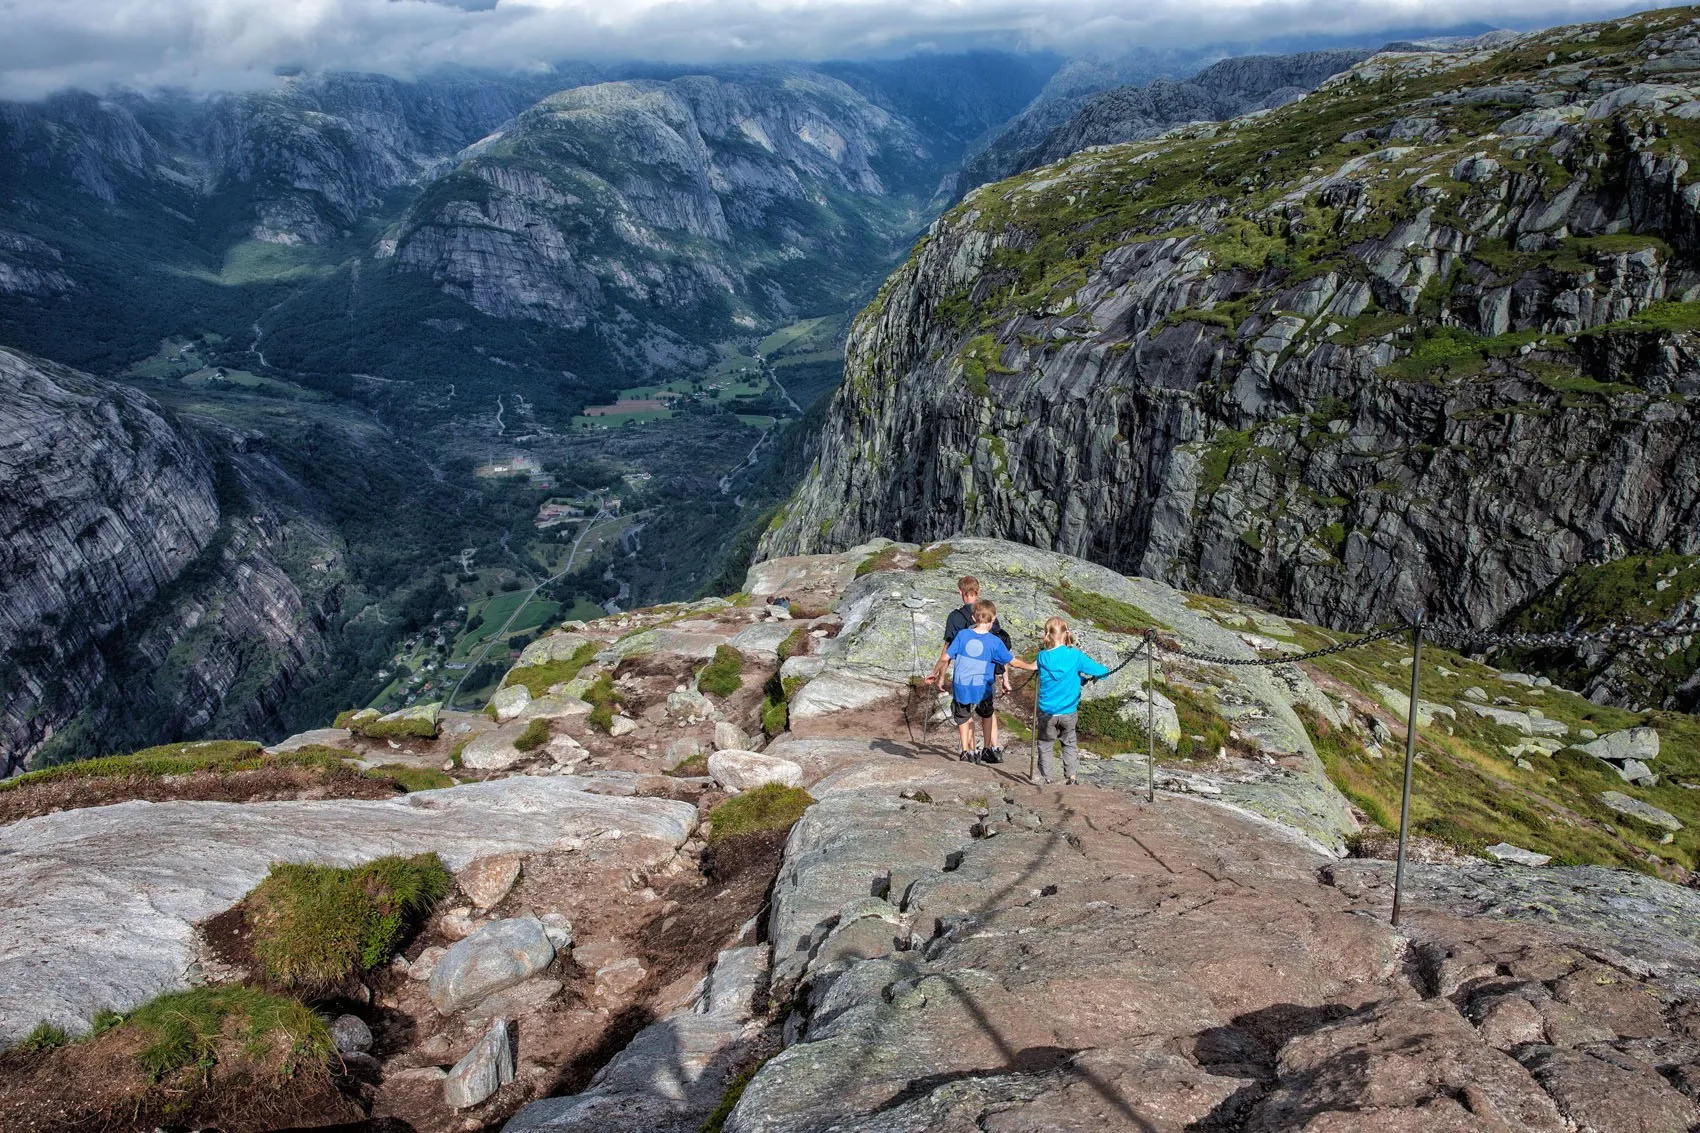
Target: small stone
[351,1035]
[745,770]
[616,980]
[1477,693]
[488,879]
[426,963]
[622,726]
[1588,734]
[729,737]
[457,924]
[559,929]
[487,1067]
[679,751]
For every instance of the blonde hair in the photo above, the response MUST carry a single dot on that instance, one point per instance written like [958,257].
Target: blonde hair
[1057,633]
[984,612]
[968,586]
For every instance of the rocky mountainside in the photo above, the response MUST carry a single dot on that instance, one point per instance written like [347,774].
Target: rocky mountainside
[1419,342]
[1225,90]
[631,939]
[145,594]
[668,214]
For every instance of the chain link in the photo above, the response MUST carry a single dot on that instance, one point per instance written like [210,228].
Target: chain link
[1560,639]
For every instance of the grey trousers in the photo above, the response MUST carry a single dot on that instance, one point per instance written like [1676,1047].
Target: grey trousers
[1051,729]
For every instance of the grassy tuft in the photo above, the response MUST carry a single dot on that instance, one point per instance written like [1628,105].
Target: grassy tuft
[722,676]
[1106,613]
[317,926]
[44,1038]
[772,807]
[196,1029]
[413,778]
[539,679]
[603,701]
[884,560]
[536,734]
[933,558]
[796,644]
[716,1121]
[398,729]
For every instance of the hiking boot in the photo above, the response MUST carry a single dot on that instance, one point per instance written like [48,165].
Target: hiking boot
[968,757]
[992,755]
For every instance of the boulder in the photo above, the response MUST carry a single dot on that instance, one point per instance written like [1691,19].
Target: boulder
[1634,771]
[689,704]
[836,690]
[510,701]
[317,737]
[729,737]
[418,712]
[745,770]
[1632,743]
[421,967]
[1167,719]
[485,881]
[566,751]
[763,638]
[621,726]
[1528,723]
[494,750]
[497,956]
[1506,852]
[555,647]
[1635,808]
[556,704]
[486,1068]
[98,906]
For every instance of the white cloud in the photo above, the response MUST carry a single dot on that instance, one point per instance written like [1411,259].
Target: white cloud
[212,44]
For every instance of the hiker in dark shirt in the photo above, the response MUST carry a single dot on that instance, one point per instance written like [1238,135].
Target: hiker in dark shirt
[961,618]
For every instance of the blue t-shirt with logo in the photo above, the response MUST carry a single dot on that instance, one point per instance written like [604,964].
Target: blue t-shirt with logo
[976,656]
[1060,670]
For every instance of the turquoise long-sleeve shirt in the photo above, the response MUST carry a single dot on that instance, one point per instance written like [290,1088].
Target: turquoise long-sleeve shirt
[1060,670]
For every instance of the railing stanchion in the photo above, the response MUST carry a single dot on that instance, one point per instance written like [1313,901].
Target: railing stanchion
[1150,718]
[1410,763]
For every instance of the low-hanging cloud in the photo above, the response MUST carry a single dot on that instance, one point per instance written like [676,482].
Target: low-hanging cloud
[50,45]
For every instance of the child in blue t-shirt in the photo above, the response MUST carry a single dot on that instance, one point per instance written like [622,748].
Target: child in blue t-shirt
[977,652]
[1061,667]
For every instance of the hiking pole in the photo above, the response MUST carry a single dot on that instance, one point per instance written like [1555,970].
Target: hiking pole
[1150,719]
[1410,761]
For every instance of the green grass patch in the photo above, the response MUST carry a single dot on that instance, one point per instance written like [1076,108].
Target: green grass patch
[539,679]
[883,560]
[413,778]
[1667,317]
[1345,759]
[212,756]
[796,644]
[604,701]
[1106,613]
[772,807]
[1227,446]
[536,734]
[318,926]
[415,729]
[933,557]
[43,1038]
[195,1030]
[722,676]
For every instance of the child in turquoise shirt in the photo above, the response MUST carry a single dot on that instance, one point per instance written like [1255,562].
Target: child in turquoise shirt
[1061,668]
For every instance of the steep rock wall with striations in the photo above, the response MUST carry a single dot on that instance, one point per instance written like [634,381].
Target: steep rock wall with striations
[1421,341]
[120,526]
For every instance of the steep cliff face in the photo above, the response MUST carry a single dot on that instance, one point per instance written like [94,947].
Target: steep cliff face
[144,596]
[658,209]
[1421,341]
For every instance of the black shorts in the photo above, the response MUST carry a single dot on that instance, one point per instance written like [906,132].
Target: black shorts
[962,713]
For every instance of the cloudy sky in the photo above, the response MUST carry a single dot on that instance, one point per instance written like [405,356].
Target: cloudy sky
[220,44]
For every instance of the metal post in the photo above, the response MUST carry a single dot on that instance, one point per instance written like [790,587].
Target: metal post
[1033,756]
[1150,718]
[1410,763]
